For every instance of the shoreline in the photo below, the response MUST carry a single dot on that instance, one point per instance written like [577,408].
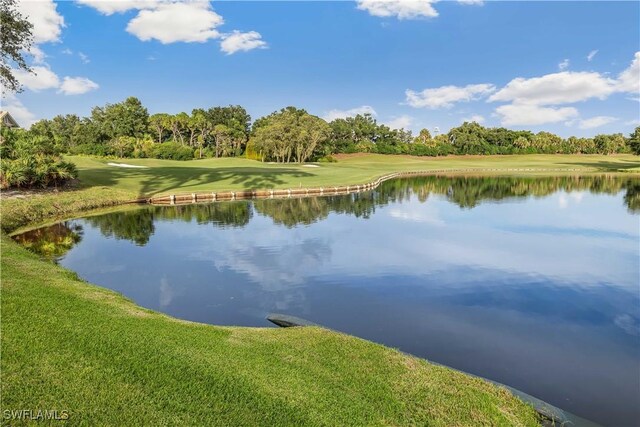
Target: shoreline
[226,195]
[109,203]
[55,206]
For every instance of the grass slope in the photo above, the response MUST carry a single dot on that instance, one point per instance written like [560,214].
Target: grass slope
[69,345]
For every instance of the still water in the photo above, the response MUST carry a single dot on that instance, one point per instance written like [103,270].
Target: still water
[532,282]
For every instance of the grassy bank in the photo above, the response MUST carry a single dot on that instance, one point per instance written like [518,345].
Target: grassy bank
[69,345]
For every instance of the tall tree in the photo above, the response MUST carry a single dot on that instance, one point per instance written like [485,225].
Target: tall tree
[179,124]
[160,123]
[469,138]
[233,116]
[127,118]
[609,144]
[423,137]
[634,141]
[16,37]
[289,134]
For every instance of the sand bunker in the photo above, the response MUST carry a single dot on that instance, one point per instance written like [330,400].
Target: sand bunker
[124,165]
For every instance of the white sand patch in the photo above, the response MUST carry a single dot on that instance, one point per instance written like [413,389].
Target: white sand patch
[124,165]
[310,166]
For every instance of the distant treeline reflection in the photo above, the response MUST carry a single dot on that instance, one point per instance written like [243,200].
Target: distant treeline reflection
[465,191]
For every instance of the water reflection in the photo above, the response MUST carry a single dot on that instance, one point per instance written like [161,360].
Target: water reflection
[529,281]
[466,192]
[53,241]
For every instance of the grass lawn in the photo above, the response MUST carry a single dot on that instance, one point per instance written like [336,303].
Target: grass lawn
[163,176]
[69,345]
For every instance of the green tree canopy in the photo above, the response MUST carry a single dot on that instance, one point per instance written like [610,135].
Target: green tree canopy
[16,37]
[290,134]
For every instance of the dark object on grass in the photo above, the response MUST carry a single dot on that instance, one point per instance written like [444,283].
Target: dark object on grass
[286,321]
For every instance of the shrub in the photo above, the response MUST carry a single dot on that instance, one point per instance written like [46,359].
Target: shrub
[171,151]
[90,150]
[327,159]
[31,161]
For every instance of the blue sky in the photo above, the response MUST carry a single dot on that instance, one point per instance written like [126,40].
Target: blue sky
[569,67]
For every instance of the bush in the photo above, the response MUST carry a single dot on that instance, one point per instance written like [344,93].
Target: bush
[30,161]
[327,159]
[89,150]
[171,151]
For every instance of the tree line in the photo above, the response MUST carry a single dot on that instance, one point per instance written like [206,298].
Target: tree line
[126,130]
[291,134]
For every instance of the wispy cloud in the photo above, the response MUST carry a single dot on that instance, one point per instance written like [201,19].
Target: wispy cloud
[447,96]
[595,122]
[563,65]
[342,114]
[77,86]
[238,41]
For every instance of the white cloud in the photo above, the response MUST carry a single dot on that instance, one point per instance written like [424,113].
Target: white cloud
[472,2]
[595,122]
[629,79]
[42,78]
[400,122]
[532,97]
[37,54]
[67,51]
[177,22]
[527,114]
[592,54]
[47,22]
[564,64]
[109,7]
[84,58]
[237,41]
[558,88]
[77,86]
[170,21]
[632,122]
[446,96]
[401,9]
[475,118]
[18,111]
[342,114]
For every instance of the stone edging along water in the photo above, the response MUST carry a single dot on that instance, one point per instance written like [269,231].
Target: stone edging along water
[214,196]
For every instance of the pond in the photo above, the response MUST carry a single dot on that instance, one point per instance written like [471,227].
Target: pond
[532,282]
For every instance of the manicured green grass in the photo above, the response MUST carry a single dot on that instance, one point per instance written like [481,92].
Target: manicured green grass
[69,345]
[20,212]
[163,176]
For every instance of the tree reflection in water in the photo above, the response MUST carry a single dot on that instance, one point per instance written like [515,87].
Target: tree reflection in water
[465,191]
[53,241]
